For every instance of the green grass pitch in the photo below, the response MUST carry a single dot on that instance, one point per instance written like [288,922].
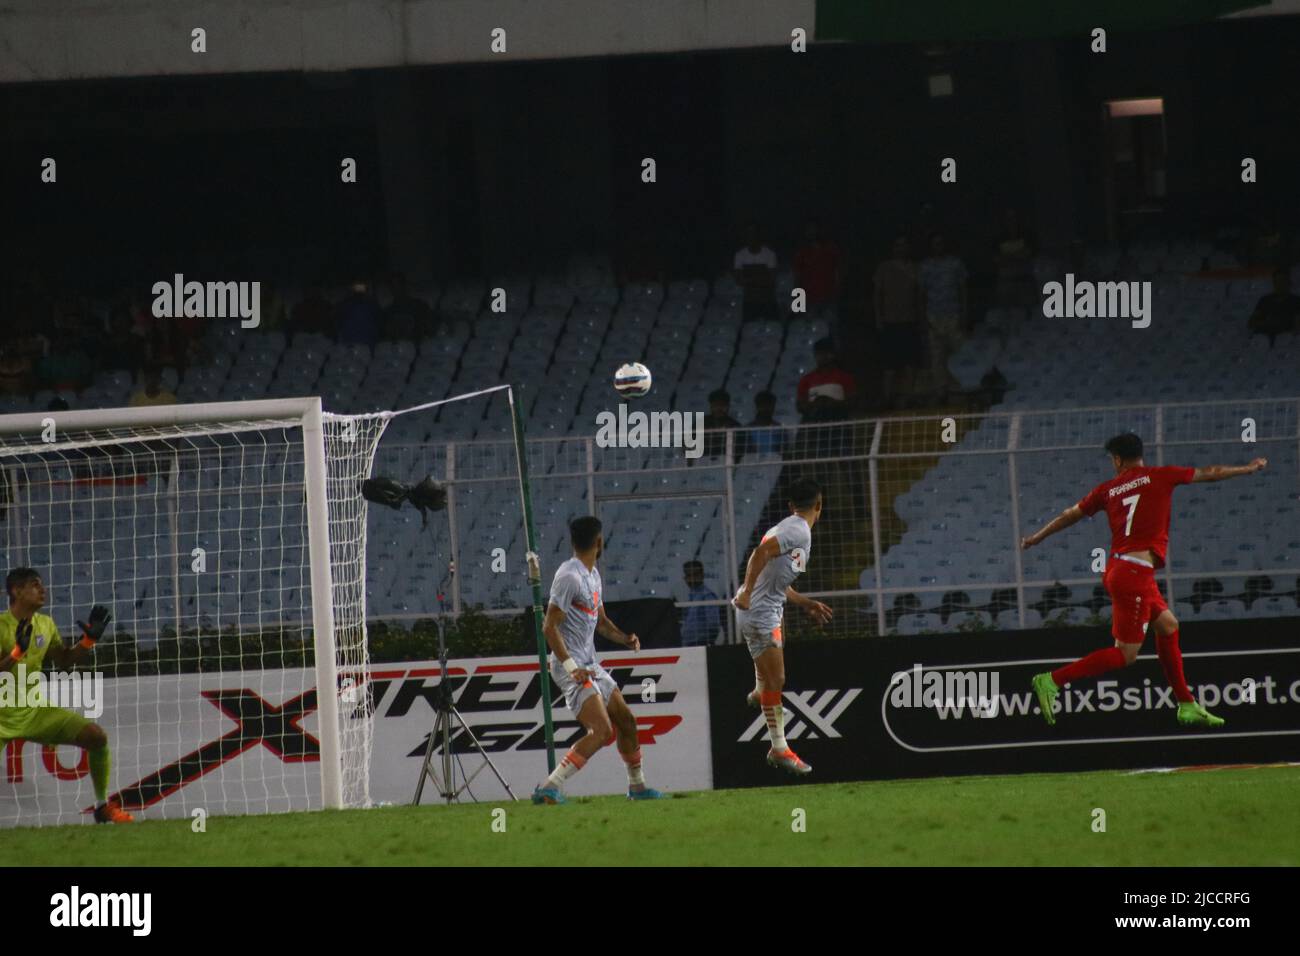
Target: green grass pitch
[1224,817]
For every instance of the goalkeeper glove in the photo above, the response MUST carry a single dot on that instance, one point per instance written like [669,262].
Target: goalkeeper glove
[92,632]
[22,639]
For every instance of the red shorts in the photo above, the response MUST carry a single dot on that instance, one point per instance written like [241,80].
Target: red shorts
[1135,599]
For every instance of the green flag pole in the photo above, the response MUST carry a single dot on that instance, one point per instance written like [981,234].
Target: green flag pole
[534,574]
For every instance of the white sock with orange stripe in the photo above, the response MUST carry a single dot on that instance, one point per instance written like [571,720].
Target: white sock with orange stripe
[635,778]
[570,764]
[774,714]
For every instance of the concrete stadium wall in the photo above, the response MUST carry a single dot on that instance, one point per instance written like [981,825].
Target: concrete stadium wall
[77,39]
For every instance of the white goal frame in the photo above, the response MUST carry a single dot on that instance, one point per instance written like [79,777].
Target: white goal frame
[305,413]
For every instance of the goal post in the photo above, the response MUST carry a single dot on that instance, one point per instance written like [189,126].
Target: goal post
[106,504]
[229,541]
[322,603]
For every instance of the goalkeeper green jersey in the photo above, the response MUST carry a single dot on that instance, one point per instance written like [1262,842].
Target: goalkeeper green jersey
[45,636]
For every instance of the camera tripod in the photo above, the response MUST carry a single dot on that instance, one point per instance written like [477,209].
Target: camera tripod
[445,713]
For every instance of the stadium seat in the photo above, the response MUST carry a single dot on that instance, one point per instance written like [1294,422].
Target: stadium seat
[920,623]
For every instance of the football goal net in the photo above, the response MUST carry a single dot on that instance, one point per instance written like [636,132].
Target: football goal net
[229,543]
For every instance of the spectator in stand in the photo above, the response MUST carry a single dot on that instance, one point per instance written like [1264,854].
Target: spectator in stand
[817,272]
[765,435]
[754,266]
[58,404]
[67,366]
[943,278]
[152,390]
[142,322]
[187,329]
[123,330]
[994,385]
[168,344]
[701,624]
[719,417]
[900,318]
[118,348]
[1013,254]
[1278,312]
[34,343]
[15,371]
[826,393]
[23,350]
[359,316]
[406,316]
[314,315]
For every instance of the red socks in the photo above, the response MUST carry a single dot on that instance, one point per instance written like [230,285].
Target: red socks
[1098,662]
[1171,659]
[1111,658]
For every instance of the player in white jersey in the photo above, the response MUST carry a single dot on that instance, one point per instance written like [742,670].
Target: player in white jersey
[780,557]
[576,612]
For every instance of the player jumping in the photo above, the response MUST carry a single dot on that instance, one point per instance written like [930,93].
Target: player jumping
[575,613]
[760,604]
[1137,503]
[26,639]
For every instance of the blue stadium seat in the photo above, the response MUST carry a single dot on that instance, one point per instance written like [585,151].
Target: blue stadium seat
[923,623]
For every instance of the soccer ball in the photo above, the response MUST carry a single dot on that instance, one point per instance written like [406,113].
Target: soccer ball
[632,380]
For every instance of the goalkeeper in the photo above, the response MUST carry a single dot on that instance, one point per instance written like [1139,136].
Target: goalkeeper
[26,639]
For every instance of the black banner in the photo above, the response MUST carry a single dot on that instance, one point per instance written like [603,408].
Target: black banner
[961,704]
[653,620]
[133,906]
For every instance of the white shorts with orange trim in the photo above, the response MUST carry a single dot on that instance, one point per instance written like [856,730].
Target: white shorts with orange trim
[758,638]
[575,694]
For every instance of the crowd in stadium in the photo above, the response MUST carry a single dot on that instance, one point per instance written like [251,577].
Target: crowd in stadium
[896,321]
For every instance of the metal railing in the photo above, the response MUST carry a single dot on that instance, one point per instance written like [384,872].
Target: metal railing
[873,472]
[889,482]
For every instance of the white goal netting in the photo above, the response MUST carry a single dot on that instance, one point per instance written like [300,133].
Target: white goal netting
[203,537]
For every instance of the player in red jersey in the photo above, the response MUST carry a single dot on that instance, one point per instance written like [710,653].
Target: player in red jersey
[1137,503]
